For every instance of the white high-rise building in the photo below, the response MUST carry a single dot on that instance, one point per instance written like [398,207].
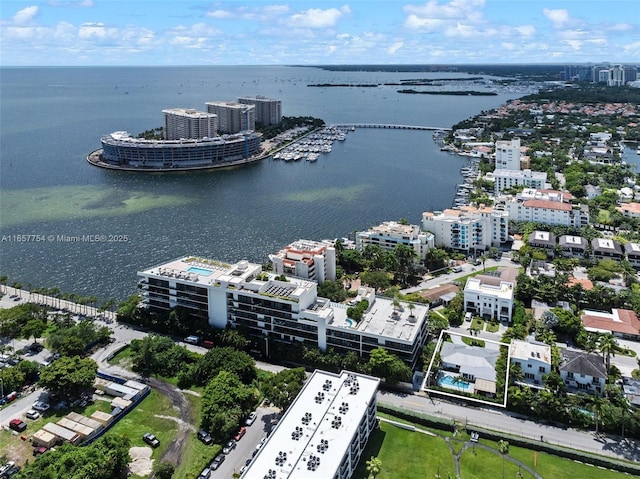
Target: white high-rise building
[268,111]
[233,117]
[323,433]
[508,154]
[467,228]
[390,234]
[616,76]
[505,179]
[307,260]
[549,207]
[188,123]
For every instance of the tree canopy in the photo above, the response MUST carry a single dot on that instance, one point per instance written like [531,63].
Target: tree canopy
[283,387]
[69,376]
[107,458]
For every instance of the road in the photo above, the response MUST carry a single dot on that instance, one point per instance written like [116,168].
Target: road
[514,424]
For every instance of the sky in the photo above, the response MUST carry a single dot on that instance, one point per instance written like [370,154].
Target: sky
[318,32]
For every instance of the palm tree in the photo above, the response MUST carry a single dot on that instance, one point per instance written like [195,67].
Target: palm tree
[374,466]
[607,345]
[503,447]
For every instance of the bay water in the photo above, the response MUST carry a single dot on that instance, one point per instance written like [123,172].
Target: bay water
[93,229]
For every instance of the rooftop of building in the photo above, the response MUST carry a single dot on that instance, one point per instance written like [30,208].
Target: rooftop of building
[188,112]
[573,241]
[605,244]
[632,248]
[629,208]
[547,205]
[525,350]
[624,321]
[384,319]
[544,194]
[304,247]
[579,362]
[229,104]
[542,237]
[393,228]
[537,175]
[477,361]
[317,428]
[500,283]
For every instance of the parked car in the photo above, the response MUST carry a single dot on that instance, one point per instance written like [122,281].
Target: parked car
[41,406]
[205,474]
[251,419]
[205,437]
[17,425]
[7,466]
[39,450]
[32,414]
[217,462]
[241,432]
[230,446]
[12,471]
[150,439]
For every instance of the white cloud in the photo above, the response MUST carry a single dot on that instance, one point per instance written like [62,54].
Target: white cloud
[394,48]
[318,18]
[468,10]
[559,18]
[526,31]
[88,30]
[219,14]
[25,15]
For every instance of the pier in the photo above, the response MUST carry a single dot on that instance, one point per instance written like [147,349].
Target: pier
[391,127]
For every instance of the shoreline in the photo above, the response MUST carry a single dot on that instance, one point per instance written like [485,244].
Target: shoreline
[93,158]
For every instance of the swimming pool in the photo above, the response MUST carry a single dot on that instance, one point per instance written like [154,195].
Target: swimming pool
[350,322]
[200,271]
[450,382]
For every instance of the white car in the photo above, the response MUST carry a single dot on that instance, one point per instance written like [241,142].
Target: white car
[251,419]
[32,414]
[41,406]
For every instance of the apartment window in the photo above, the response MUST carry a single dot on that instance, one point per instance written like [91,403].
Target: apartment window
[542,369]
[570,375]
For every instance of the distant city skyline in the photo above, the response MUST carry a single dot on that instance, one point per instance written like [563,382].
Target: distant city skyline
[192,32]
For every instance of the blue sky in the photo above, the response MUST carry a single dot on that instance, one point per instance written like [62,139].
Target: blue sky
[190,32]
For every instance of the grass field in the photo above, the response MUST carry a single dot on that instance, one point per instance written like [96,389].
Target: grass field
[408,455]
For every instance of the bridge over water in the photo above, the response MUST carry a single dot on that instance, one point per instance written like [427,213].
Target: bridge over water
[389,126]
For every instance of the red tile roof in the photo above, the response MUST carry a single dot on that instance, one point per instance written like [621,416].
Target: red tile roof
[624,321]
[548,205]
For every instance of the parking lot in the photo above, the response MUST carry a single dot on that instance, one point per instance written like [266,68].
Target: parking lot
[237,458]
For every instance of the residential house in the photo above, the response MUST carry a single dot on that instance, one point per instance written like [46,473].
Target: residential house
[629,210]
[475,364]
[606,248]
[632,250]
[542,239]
[533,358]
[491,294]
[573,246]
[582,372]
[623,323]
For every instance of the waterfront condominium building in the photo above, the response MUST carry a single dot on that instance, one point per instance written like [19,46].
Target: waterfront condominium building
[233,117]
[508,154]
[287,311]
[505,179]
[188,123]
[324,431]
[390,234]
[268,111]
[468,228]
[306,259]
[491,294]
[549,207]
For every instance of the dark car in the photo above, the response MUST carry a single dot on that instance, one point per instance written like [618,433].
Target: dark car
[205,474]
[205,437]
[11,472]
[230,446]
[217,462]
[150,439]
[17,425]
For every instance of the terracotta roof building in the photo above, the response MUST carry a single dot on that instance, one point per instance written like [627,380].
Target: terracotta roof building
[621,322]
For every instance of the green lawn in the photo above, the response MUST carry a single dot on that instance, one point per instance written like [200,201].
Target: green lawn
[477,323]
[492,327]
[406,455]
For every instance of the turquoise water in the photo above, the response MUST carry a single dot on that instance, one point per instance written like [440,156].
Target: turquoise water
[350,322]
[447,380]
[200,271]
